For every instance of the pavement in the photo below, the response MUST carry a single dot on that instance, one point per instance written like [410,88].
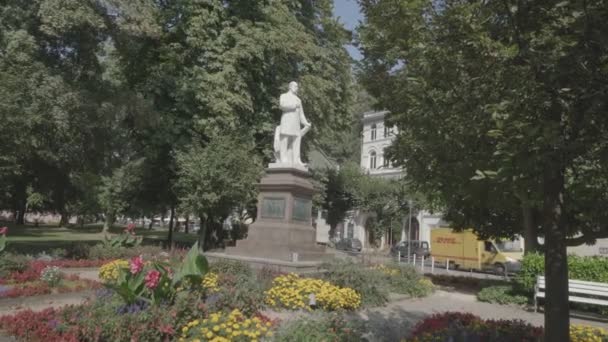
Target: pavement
[394,321]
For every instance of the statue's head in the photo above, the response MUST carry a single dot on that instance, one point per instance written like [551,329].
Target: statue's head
[293,87]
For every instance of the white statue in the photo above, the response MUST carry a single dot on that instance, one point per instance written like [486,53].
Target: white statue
[288,136]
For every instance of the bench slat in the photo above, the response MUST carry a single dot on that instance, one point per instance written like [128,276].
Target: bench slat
[587,292]
[579,299]
[541,279]
[574,288]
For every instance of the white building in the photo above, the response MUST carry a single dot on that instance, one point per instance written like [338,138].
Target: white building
[377,136]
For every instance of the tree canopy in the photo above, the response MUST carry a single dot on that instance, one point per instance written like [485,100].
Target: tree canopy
[501,107]
[99,97]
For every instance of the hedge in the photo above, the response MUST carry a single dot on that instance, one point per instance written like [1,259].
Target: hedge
[579,268]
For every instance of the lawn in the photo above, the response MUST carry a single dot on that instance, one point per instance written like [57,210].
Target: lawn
[31,239]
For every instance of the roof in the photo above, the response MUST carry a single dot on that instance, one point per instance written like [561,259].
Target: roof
[374,115]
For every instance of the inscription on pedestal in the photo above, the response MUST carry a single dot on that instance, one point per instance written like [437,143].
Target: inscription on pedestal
[301,209]
[273,207]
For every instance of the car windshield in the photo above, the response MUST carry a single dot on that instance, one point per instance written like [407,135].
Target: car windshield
[509,246]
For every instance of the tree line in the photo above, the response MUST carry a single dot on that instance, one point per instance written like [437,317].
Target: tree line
[119,107]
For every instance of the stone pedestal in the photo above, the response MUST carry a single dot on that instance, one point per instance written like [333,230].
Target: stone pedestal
[283,230]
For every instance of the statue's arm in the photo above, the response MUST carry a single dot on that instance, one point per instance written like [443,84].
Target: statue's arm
[302,116]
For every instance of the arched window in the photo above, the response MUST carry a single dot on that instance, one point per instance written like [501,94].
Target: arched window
[372,160]
[373,132]
[385,160]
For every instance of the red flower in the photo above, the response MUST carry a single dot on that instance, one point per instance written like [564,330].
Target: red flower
[130,229]
[136,265]
[152,279]
[3,230]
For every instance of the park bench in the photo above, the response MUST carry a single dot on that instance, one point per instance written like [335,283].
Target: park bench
[579,291]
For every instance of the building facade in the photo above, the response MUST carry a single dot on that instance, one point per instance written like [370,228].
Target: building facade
[377,136]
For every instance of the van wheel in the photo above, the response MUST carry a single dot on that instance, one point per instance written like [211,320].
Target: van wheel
[499,269]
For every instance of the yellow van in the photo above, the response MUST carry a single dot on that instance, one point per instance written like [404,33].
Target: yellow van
[466,251]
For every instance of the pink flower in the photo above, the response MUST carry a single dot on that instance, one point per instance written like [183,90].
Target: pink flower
[3,230]
[152,279]
[130,229]
[136,265]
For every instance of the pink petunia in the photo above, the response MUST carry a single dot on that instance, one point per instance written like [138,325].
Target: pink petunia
[152,279]
[136,265]
[3,230]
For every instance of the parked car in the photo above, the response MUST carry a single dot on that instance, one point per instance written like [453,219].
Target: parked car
[350,244]
[420,248]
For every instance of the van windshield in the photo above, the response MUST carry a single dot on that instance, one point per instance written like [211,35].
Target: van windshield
[509,246]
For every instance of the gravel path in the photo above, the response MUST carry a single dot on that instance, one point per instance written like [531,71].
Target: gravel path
[38,303]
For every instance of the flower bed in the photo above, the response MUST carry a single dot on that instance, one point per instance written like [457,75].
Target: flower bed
[227,327]
[467,327]
[292,292]
[71,283]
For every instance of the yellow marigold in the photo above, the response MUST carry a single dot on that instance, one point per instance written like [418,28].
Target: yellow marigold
[210,282]
[223,327]
[108,273]
[292,292]
[585,333]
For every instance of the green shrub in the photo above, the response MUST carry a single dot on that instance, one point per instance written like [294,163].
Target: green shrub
[12,263]
[237,292]
[104,252]
[371,284]
[406,280]
[232,267]
[579,268]
[501,295]
[79,250]
[321,327]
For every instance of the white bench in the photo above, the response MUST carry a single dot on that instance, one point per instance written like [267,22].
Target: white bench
[579,291]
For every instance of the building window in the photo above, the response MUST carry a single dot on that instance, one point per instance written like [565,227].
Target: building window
[373,132]
[372,160]
[386,131]
[351,230]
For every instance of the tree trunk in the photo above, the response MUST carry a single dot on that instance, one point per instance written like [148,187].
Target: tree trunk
[170,236]
[21,214]
[187,228]
[530,232]
[150,225]
[557,311]
[202,234]
[65,219]
[107,224]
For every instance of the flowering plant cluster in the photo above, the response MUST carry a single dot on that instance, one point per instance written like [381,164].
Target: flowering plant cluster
[465,326]
[223,327]
[109,272]
[585,333]
[292,292]
[153,281]
[211,282]
[126,239]
[51,276]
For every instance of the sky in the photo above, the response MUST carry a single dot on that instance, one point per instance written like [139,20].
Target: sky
[349,14]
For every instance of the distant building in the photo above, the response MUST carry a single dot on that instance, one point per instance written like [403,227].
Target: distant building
[376,137]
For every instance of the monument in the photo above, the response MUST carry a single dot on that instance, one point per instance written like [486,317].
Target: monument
[282,233]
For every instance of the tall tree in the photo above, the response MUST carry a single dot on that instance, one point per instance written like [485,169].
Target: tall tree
[501,109]
[215,180]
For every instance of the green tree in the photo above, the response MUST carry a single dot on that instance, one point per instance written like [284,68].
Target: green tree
[216,179]
[501,109]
